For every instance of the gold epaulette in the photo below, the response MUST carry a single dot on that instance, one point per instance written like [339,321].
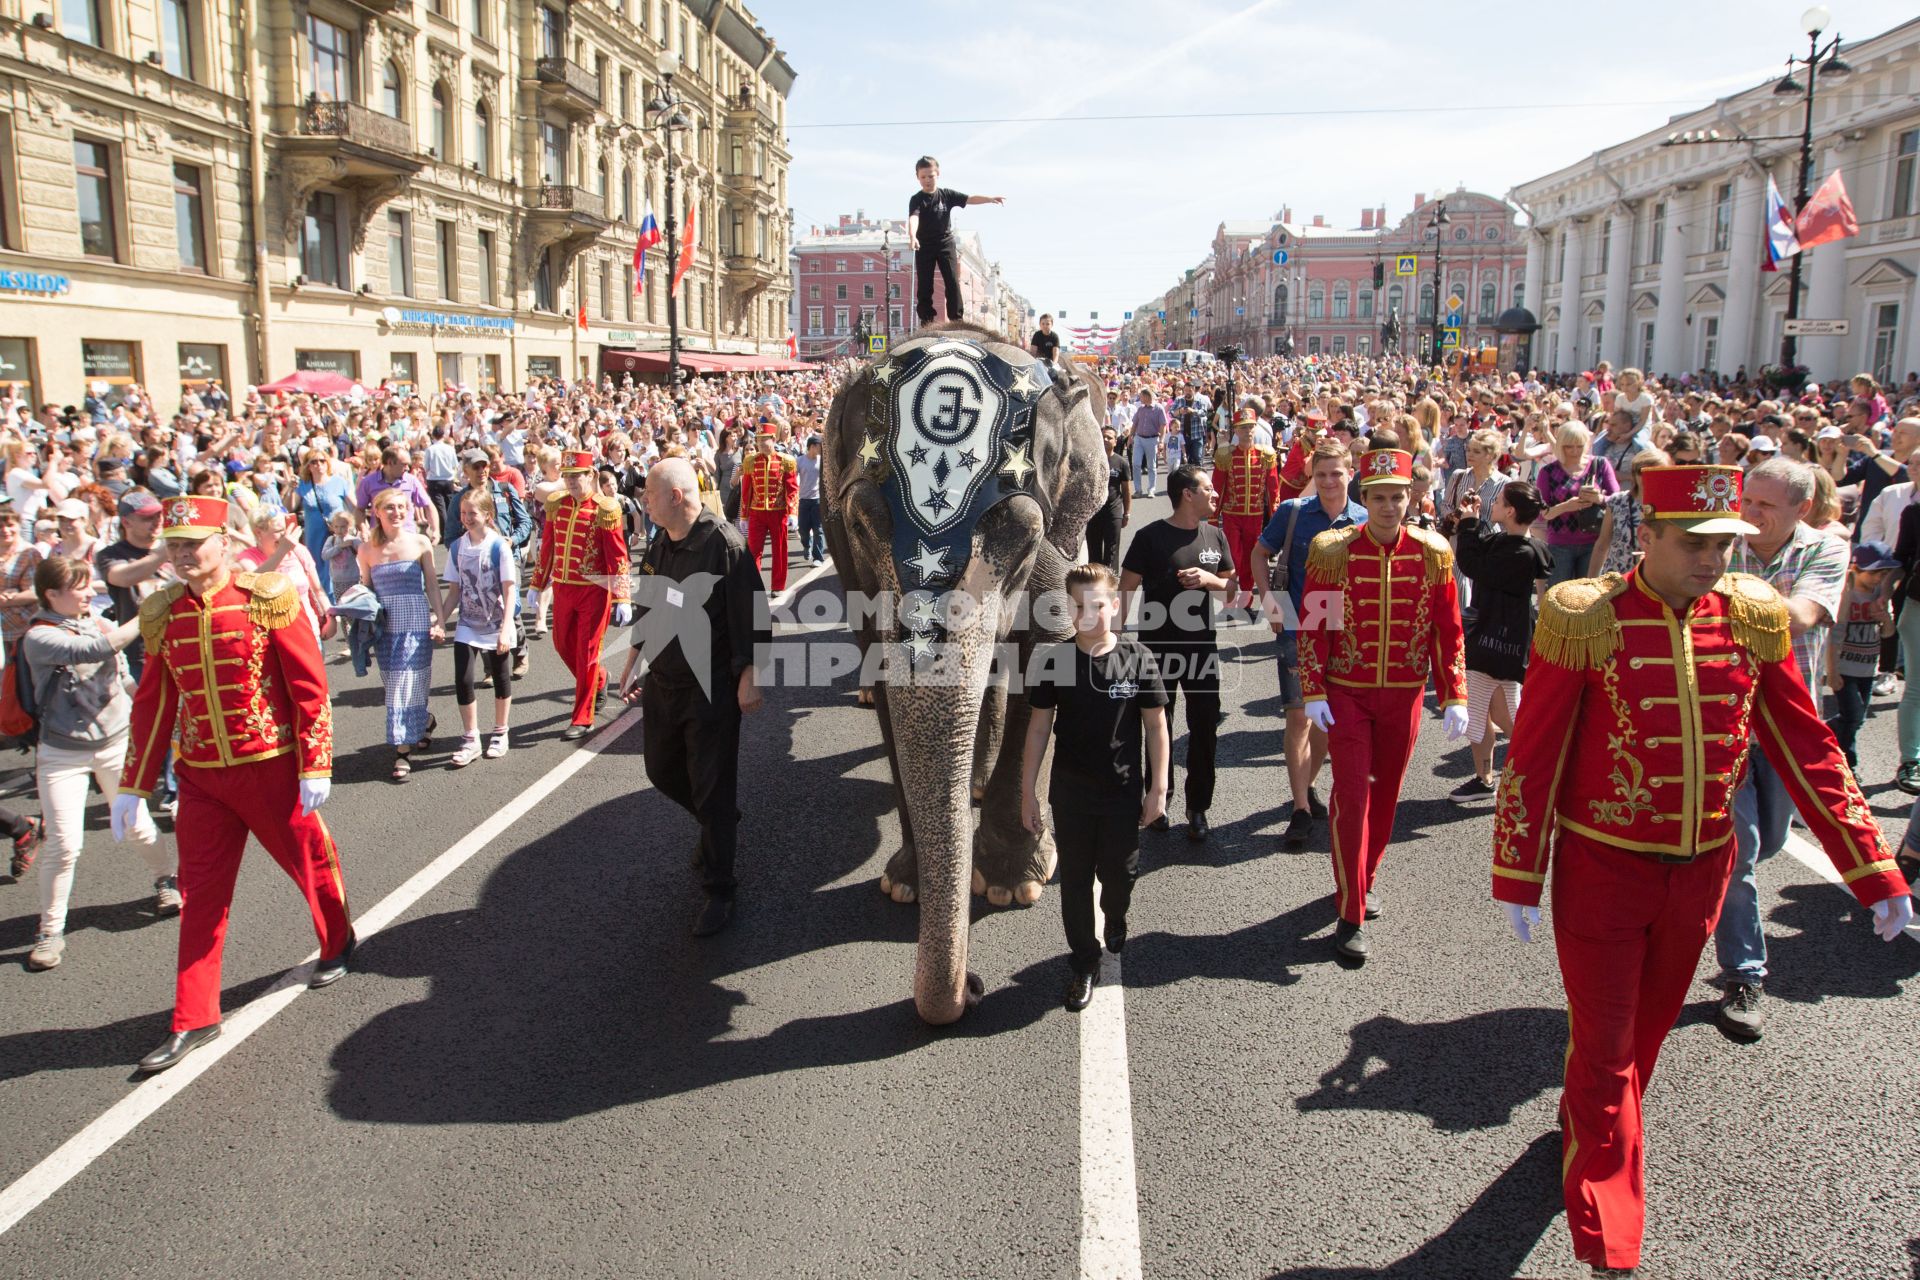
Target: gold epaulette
[1577,627]
[1327,555]
[1758,615]
[1223,458]
[153,616]
[1439,554]
[607,514]
[271,604]
[788,463]
[553,502]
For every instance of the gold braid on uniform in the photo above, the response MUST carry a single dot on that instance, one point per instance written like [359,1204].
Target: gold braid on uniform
[271,603]
[1759,616]
[1577,627]
[1327,554]
[607,514]
[1223,457]
[153,616]
[1438,552]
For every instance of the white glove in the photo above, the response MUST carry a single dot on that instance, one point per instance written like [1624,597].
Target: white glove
[622,614]
[314,793]
[1455,718]
[1319,714]
[1523,920]
[127,815]
[1891,916]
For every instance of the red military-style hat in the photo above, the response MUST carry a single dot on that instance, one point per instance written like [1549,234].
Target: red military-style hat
[1698,499]
[576,460]
[194,518]
[1245,418]
[1385,466]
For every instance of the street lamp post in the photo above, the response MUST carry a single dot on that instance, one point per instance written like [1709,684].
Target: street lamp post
[1438,225]
[669,118]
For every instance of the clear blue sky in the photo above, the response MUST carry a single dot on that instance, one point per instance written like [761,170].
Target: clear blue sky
[1101,215]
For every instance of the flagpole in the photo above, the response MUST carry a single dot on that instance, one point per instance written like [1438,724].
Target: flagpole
[666,106]
[1789,341]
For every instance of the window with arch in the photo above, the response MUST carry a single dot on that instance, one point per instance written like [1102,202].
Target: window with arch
[1365,311]
[393,96]
[1396,300]
[1316,302]
[482,139]
[1340,300]
[626,194]
[1461,233]
[1426,302]
[1519,295]
[1280,302]
[442,121]
[1489,298]
[606,179]
[1493,233]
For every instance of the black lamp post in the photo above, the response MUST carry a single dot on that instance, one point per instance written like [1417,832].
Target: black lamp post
[1438,225]
[669,118]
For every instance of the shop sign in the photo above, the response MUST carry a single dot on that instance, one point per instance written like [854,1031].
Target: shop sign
[42,282]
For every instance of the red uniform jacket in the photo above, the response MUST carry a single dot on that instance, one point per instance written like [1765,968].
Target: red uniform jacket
[1635,725]
[584,545]
[1247,478]
[1399,618]
[1293,468]
[231,677]
[769,483]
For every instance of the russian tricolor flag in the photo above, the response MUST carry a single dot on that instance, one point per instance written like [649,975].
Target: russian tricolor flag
[1782,239]
[649,237]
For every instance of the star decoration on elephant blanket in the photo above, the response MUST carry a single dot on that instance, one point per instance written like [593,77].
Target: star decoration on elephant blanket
[919,645]
[884,371]
[1017,464]
[931,562]
[869,451]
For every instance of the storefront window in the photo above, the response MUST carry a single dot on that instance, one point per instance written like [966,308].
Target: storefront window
[117,364]
[201,362]
[402,369]
[543,366]
[16,369]
[449,368]
[489,374]
[345,363]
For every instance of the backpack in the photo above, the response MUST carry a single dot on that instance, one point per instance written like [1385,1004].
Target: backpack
[19,714]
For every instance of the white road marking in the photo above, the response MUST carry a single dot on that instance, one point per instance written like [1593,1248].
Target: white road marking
[1109,1197]
[1814,857]
[73,1156]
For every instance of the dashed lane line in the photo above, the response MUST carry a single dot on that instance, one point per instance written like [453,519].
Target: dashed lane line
[1109,1196]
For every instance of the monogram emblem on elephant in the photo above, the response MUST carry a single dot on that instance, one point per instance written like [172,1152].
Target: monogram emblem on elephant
[959,464]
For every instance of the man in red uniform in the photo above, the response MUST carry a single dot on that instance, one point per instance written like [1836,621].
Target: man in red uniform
[1296,469]
[1364,671]
[1247,478]
[583,557]
[768,486]
[1643,696]
[235,683]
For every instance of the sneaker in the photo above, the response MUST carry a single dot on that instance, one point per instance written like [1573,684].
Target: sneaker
[1315,805]
[167,900]
[46,953]
[1908,780]
[497,745]
[1299,826]
[170,804]
[469,752]
[1472,789]
[520,667]
[26,847]
[1883,685]
[1741,1014]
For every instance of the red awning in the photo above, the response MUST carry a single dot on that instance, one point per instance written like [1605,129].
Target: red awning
[698,361]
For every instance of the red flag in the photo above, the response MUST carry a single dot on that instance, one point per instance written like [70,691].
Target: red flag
[1828,215]
[581,318]
[681,267]
[793,347]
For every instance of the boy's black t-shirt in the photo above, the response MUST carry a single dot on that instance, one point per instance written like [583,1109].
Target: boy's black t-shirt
[1097,704]
[1045,344]
[1158,553]
[936,215]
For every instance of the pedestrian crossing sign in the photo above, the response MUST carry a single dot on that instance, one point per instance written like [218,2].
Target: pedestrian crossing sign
[877,344]
[1450,338]
[1407,264]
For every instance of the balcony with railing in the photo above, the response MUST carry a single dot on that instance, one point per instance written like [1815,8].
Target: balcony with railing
[371,144]
[574,203]
[567,85]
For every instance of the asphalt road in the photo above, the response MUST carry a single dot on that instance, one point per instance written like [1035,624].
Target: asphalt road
[534,1070]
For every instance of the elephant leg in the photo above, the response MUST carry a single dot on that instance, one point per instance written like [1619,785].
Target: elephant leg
[1010,863]
[986,743]
[901,880]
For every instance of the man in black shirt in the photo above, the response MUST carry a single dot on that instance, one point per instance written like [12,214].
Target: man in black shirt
[1101,699]
[135,559]
[1045,343]
[1180,562]
[1103,530]
[930,232]
[700,589]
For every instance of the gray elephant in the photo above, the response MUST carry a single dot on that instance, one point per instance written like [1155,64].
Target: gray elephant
[960,474]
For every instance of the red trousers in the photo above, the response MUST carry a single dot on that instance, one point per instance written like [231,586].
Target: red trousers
[580,616]
[1370,744]
[1242,532]
[762,525]
[219,807]
[1628,931]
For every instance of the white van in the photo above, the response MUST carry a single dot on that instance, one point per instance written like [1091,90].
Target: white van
[1177,359]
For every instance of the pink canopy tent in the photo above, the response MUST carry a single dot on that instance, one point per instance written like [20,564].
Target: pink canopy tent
[313,382]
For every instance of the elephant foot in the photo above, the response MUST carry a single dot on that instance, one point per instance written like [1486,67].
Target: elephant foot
[975,989]
[979,883]
[979,793]
[1025,893]
[896,890]
[901,878]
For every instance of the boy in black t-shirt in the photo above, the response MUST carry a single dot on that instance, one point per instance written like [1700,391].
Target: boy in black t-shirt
[930,232]
[1102,693]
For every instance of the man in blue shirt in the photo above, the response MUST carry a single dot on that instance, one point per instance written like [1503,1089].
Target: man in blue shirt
[1283,543]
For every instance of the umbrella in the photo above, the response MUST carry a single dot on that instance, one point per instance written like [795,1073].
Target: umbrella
[314,382]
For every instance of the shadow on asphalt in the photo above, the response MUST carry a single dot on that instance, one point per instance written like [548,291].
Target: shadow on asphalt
[113,1044]
[116,917]
[1490,1239]
[1272,951]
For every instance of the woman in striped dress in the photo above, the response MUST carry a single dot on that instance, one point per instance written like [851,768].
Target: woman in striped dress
[397,563]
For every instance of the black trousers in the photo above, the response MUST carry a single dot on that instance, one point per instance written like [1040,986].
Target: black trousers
[693,757]
[1103,538]
[947,259]
[469,660]
[1194,670]
[1099,843]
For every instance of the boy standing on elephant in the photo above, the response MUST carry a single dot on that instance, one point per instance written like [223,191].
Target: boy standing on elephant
[1102,693]
[930,234]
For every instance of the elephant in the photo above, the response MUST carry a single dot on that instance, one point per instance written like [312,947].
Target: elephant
[959,467]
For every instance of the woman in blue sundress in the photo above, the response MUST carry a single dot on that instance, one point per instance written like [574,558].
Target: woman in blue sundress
[397,563]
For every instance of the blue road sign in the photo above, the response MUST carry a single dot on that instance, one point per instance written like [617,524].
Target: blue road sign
[1239,311]
[1129,315]
[1453,320]
[1279,257]
[1160,315]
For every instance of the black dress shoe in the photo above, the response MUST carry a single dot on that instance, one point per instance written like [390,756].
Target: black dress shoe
[1159,824]
[1374,909]
[177,1046]
[328,972]
[699,855]
[1351,941]
[1080,991]
[575,732]
[1315,805]
[1116,936]
[1197,827]
[1299,827]
[715,915]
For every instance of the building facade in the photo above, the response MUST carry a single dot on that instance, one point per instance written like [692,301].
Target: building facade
[442,192]
[1651,254]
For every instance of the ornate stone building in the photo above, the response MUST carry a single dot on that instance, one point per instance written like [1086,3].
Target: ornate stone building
[435,191]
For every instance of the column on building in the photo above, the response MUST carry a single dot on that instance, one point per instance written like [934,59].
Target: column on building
[1575,259]
[1669,321]
[1826,292]
[1615,339]
[1743,270]
[1910,320]
[1532,280]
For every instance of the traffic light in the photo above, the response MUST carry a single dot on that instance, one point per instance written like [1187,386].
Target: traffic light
[1379,275]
